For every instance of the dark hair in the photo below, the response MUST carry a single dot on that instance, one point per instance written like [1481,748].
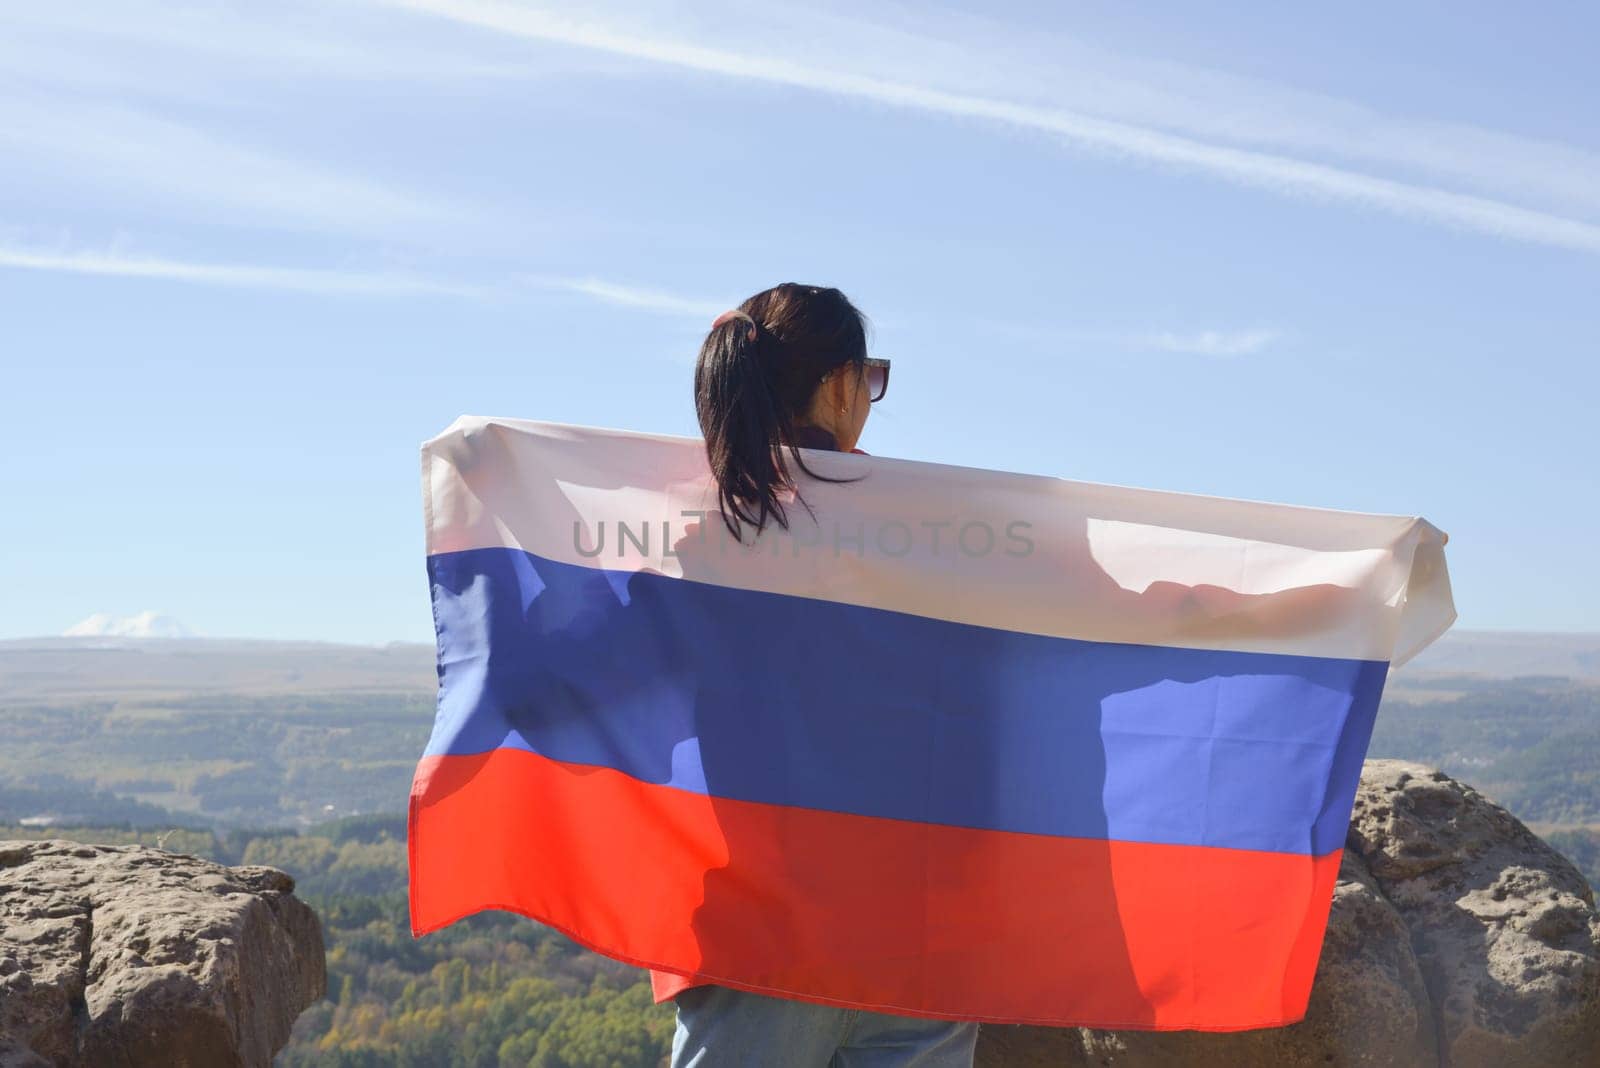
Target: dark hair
[749,392]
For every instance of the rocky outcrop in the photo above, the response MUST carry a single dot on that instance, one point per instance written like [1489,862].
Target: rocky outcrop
[1456,938]
[133,956]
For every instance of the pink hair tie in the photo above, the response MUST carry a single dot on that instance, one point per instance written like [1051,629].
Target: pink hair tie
[732,314]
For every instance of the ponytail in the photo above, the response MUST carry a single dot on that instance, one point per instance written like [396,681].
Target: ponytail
[756,374]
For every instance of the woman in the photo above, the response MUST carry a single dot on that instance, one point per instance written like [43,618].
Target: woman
[789,368]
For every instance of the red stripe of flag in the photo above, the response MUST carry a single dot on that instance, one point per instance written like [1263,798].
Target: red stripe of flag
[885,914]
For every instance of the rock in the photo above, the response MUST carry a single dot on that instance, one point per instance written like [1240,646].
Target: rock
[133,956]
[1504,927]
[1456,938]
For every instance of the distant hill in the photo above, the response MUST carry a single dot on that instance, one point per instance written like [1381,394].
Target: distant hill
[34,669]
[233,733]
[1508,654]
[42,668]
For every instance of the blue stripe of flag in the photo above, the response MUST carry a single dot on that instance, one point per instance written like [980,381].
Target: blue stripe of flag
[795,701]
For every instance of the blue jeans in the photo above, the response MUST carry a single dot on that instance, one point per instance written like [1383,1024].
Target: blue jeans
[720,1027]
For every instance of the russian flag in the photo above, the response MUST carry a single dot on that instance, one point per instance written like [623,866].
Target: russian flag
[959,744]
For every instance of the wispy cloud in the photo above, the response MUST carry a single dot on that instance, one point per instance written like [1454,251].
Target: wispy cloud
[1206,342]
[1210,342]
[161,160]
[298,279]
[987,56]
[627,296]
[138,156]
[339,282]
[1273,171]
[329,282]
[111,44]
[1273,137]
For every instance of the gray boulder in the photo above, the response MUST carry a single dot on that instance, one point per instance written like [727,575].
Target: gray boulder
[133,956]
[1456,938]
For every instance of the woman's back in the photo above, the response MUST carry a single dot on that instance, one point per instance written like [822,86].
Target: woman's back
[788,369]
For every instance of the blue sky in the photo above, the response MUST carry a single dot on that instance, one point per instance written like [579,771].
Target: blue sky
[252,255]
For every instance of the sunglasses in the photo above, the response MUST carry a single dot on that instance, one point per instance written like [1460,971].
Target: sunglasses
[877,372]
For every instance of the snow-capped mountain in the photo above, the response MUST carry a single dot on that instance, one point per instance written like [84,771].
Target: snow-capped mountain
[143,625]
